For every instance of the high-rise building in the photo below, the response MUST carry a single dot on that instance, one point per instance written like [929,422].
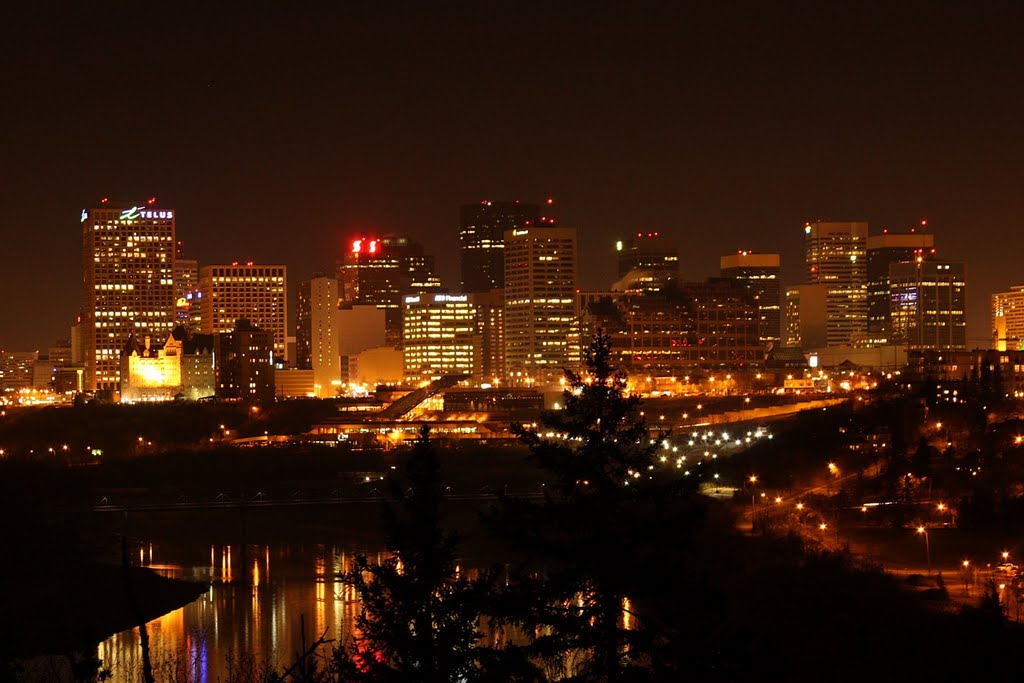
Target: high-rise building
[806,324]
[482,229]
[650,251]
[540,305]
[186,290]
[127,283]
[439,336]
[316,333]
[835,256]
[253,292]
[760,274]
[490,329]
[244,368]
[928,305]
[379,271]
[1008,319]
[884,250]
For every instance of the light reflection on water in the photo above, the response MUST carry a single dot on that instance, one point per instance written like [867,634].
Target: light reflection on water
[257,599]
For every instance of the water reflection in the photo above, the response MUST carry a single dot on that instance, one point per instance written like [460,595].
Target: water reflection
[250,616]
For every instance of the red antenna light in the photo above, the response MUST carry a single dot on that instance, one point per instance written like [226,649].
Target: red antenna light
[104,200]
[151,200]
[550,201]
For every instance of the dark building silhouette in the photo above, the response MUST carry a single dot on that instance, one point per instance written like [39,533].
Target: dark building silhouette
[482,244]
[244,368]
[760,274]
[648,251]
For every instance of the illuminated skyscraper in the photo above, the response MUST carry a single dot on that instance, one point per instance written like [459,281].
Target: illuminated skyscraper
[927,305]
[541,334]
[1008,319]
[482,229]
[379,271]
[127,283]
[883,251]
[835,256]
[759,273]
[252,292]
[316,333]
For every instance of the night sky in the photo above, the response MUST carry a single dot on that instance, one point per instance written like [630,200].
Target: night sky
[276,133]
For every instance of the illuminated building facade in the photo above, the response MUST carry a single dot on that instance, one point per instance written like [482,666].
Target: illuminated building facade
[180,367]
[253,292]
[835,255]
[150,371]
[128,283]
[482,229]
[540,305]
[928,305]
[316,333]
[883,251]
[244,368]
[649,251]
[379,271]
[1008,319]
[16,368]
[760,274]
[439,336]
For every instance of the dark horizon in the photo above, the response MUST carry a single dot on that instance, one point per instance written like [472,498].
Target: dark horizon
[277,133]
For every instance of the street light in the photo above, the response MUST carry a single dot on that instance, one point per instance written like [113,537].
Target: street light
[927,547]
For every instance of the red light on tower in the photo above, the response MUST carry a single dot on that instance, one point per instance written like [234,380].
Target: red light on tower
[923,222]
[104,200]
[151,201]
[550,201]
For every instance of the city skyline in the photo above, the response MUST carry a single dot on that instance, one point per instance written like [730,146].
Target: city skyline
[657,134]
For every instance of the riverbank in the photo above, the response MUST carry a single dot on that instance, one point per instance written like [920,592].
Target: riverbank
[71,609]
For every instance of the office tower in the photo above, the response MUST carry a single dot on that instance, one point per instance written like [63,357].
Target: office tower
[490,330]
[127,283]
[316,333]
[482,229]
[438,336]
[379,271]
[648,251]
[186,290]
[1008,319]
[806,318]
[244,368]
[927,305]
[726,328]
[760,274]
[540,305]
[253,292]
[835,256]
[884,250]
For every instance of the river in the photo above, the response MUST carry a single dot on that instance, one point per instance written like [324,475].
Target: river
[251,616]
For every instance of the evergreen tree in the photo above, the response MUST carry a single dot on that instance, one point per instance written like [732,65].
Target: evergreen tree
[602,522]
[419,617]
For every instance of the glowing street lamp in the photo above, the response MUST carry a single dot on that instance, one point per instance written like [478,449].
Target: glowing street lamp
[927,547]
